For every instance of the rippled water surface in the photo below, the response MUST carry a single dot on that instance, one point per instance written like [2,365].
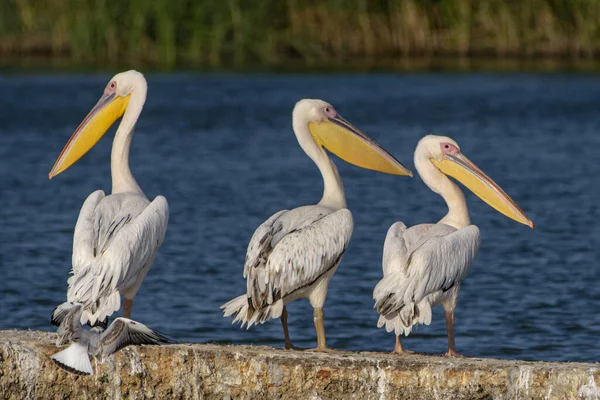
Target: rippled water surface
[221,149]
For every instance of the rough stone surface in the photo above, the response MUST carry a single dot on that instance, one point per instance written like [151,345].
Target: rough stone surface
[205,371]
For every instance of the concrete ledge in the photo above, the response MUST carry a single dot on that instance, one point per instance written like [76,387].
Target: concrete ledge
[204,371]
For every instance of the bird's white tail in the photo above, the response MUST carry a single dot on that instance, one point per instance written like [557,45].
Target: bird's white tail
[240,307]
[74,359]
[106,308]
[402,321]
[82,290]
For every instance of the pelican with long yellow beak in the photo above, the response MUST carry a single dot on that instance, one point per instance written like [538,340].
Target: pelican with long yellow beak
[423,266]
[295,252]
[117,236]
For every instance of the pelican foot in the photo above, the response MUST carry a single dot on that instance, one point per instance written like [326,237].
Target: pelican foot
[290,346]
[322,349]
[453,353]
[404,351]
[398,349]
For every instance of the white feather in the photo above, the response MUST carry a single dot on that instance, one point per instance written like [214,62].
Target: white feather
[75,357]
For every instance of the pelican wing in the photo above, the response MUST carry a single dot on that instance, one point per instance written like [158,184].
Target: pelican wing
[259,247]
[85,237]
[401,241]
[305,244]
[124,332]
[125,236]
[437,261]
[395,252]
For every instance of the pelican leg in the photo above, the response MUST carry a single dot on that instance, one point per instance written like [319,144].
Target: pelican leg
[320,327]
[450,329]
[127,305]
[284,317]
[399,349]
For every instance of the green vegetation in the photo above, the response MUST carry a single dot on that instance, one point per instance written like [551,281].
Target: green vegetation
[278,32]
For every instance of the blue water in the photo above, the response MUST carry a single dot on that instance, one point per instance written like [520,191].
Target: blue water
[221,149]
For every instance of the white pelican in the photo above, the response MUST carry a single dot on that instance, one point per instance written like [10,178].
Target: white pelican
[424,265]
[117,236]
[295,252]
[122,332]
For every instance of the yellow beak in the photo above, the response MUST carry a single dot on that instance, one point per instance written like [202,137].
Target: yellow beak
[462,169]
[109,108]
[351,145]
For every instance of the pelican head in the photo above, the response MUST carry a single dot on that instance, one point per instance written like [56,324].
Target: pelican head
[332,132]
[445,155]
[110,107]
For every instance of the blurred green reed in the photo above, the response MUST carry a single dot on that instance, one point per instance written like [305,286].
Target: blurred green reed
[276,32]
